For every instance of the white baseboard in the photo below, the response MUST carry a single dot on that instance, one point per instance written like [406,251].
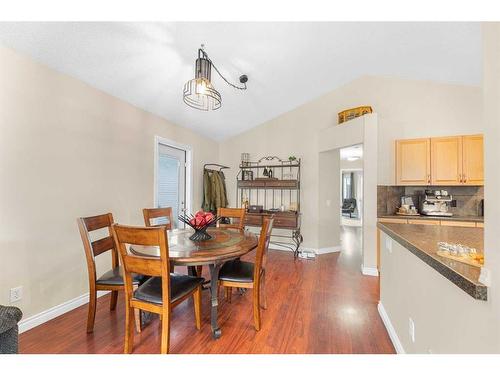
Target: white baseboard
[327,250]
[369,271]
[390,329]
[54,312]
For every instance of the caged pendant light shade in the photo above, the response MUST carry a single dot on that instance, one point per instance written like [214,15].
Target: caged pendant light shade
[199,92]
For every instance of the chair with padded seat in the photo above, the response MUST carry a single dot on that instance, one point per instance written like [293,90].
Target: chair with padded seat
[111,280]
[155,213]
[240,274]
[162,291]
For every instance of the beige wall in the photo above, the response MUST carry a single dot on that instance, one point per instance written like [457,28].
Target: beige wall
[491,98]
[405,108]
[329,202]
[68,150]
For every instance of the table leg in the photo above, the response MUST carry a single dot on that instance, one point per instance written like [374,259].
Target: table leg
[192,271]
[214,289]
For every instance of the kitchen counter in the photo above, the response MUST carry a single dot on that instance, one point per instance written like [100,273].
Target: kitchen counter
[475,219]
[421,240]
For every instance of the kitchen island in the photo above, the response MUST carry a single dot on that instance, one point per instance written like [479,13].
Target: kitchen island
[428,303]
[421,240]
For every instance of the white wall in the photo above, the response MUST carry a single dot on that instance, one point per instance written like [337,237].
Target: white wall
[69,150]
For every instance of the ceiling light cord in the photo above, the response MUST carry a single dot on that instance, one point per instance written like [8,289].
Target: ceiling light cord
[203,54]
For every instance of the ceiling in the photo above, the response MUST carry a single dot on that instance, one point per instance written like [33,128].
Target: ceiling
[288,64]
[351,153]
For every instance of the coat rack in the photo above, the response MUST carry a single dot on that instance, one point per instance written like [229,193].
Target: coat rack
[220,166]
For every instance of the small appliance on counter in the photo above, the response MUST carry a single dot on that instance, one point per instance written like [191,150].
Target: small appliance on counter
[435,203]
[407,207]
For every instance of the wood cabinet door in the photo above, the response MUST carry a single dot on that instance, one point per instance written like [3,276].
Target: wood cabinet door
[413,161]
[473,161]
[446,161]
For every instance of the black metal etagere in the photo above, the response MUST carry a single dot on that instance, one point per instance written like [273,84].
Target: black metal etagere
[278,194]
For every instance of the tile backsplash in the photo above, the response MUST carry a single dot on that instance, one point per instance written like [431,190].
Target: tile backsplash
[468,198]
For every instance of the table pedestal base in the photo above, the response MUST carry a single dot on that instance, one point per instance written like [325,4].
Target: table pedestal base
[214,291]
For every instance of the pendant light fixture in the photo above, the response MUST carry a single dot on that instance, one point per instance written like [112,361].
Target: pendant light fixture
[199,92]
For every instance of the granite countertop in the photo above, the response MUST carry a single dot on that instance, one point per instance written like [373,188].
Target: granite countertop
[476,219]
[422,241]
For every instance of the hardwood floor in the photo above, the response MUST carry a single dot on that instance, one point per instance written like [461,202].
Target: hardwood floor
[320,306]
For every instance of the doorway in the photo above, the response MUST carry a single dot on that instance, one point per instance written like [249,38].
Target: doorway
[172,182]
[351,204]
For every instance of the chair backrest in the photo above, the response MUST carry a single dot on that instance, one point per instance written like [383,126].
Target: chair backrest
[154,213]
[263,246]
[86,225]
[125,236]
[237,216]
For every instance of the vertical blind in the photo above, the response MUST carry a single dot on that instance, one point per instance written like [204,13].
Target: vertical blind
[168,184]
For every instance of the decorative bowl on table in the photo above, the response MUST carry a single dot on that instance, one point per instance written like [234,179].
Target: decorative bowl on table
[200,223]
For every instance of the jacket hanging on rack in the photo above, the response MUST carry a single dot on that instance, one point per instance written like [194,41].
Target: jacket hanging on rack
[214,190]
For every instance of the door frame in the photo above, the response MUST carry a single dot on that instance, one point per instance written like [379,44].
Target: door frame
[189,169]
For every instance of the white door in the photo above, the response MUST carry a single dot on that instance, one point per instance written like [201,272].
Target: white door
[171,180]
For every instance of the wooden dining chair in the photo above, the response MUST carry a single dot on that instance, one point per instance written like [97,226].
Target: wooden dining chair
[240,274]
[155,213]
[111,280]
[235,215]
[162,291]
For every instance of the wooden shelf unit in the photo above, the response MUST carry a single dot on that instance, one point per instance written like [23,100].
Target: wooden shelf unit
[272,193]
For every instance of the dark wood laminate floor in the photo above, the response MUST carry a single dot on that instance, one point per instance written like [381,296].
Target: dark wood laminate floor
[321,306]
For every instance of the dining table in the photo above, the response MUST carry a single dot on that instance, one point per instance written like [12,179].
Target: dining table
[225,244]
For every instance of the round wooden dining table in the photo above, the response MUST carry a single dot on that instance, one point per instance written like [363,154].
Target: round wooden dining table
[225,244]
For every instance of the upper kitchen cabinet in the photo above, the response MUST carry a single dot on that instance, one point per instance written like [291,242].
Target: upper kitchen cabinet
[446,161]
[413,162]
[441,161]
[473,160]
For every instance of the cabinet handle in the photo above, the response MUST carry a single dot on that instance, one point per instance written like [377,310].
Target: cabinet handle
[465,178]
[428,178]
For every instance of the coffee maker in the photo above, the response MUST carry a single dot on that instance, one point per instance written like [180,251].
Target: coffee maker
[435,203]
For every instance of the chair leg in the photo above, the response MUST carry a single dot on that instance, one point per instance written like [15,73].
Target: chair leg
[197,307]
[199,270]
[113,300]
[228,291]
[92,307]
[263,291]
[165,333]
[256,306]
[129,329]
[138,320]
